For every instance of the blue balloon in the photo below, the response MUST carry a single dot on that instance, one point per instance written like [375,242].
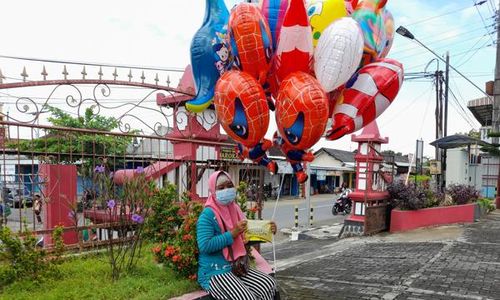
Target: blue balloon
[210,54]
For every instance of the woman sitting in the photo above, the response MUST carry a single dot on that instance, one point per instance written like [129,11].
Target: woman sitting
[220,234]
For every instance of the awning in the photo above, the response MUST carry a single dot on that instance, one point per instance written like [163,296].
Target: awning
[456,141]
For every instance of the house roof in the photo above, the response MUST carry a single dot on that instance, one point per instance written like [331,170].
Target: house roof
[275,151]
[343,156]
[398,159]
[455,141]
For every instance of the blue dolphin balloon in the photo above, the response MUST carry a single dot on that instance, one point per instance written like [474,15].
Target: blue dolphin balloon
[210,54]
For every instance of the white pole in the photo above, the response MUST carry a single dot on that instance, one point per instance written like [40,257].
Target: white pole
[308,193]
[409,168]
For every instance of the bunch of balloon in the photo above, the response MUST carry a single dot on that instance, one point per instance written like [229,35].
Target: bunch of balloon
[377,81]
[320,61]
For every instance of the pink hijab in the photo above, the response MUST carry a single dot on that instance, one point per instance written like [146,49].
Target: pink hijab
[231,214]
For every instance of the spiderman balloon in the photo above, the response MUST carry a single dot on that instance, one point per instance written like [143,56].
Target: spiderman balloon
[251,41]
[241,107]
[301,116]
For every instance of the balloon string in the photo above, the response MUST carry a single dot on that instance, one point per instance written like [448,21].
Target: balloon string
[272,218]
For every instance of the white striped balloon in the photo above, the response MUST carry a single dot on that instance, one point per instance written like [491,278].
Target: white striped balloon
[338,53]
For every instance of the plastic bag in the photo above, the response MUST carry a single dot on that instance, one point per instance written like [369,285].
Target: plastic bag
[259,231]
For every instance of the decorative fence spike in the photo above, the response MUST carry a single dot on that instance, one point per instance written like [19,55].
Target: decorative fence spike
[129,75]
[157,79]
[24,74]
[65,73]
[143,77]
[115,74]
[168,80]
[100,73]
[84,73]
[1,77]
[44,73]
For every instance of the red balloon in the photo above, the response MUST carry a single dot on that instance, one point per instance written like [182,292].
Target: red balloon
[241,107]
[366,96]
[295,47]
[301,116]
[301,110]
[251,41]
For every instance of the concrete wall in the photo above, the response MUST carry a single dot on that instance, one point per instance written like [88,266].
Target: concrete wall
[457,167]
[325,160]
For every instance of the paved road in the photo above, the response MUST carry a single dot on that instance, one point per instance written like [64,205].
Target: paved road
[285,212]
[453,262]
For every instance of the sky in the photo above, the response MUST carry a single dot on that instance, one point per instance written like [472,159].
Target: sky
[158,34]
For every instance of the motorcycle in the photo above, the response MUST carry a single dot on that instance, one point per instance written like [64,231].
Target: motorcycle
[343,204]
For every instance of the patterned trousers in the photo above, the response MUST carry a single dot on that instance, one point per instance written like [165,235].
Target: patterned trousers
[253,286]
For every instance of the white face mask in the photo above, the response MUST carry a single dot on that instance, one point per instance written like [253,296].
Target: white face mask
[225,196]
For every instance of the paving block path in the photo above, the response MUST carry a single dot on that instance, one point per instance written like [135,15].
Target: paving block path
[463,265]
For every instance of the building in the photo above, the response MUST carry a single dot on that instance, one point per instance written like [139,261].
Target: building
[330,169]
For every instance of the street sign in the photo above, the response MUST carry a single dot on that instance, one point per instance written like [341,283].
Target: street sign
[228,154]
[435,167]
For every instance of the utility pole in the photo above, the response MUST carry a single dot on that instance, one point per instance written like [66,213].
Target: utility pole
[496,87]
[438,123]
[496,103]
[446,91]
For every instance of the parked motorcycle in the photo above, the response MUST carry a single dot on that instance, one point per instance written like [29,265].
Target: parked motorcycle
[343,204]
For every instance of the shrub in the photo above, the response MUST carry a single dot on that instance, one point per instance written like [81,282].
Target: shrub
[164,218]
[242,201]
[407,197]
[486,204]
[462,194]
[180,250]
[21,259]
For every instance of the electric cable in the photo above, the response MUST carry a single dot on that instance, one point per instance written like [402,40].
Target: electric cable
[96,64]
[481,15]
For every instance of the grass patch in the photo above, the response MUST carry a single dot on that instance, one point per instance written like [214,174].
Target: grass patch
[89,278]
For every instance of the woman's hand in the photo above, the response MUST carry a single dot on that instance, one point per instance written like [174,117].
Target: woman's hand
[239,228]
[274,228]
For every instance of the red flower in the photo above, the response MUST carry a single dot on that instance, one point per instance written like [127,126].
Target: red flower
[187,237]
[193,277]
[169,251]
[176,258]
[156,249]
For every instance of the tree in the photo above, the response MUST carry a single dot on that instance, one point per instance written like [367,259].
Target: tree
[68,146]
[472,133]
[391,152]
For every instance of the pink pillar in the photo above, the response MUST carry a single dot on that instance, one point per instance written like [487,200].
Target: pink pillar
[59,190]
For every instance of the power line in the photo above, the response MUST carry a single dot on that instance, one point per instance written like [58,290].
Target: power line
[437,39]
[470,57]
[464,115]
[410,104]
[450,45]
[438,16]
[457,54]
[482,19]
[172,69]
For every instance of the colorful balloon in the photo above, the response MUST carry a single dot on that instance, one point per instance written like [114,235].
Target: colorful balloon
[389,30]
[338,53]
[295,49]
[210,55]
[350,5]
[322,13]
[301,116]
[369,15]
[274,12]
[366,97]
[241,107]
[251,41]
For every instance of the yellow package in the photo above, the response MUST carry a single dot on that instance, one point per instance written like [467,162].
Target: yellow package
[259,231]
